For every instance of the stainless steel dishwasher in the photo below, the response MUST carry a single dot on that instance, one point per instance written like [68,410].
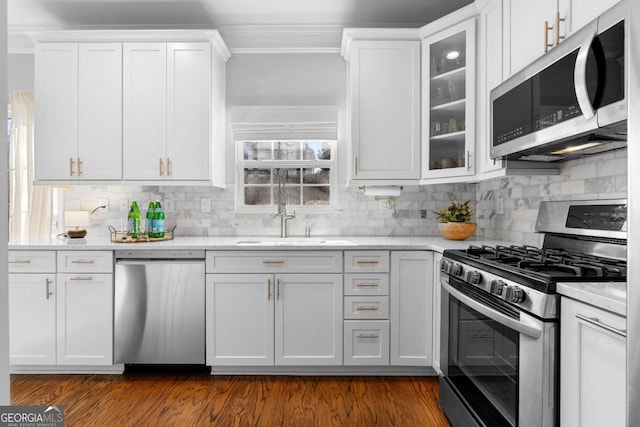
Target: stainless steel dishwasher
[159,307]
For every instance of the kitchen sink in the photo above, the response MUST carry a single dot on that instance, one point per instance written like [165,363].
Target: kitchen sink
[287,241]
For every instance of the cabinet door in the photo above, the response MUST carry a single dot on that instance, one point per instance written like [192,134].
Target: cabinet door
[189,111]
[411,308]
[85,319]
[449,102]
[525,33]
[437,260]
[384,82]
[308,319]
[144,111]
[32,319]
[100,111]
[579,13]
[592,366]
[56,111]
[239,319]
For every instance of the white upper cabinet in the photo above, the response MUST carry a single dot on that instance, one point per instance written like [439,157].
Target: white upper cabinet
[167,111]
[534,27]
[133,106]
[448,70]
[383,111]
[78,92]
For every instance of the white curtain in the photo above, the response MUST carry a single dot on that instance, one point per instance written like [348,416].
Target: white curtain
[30,206]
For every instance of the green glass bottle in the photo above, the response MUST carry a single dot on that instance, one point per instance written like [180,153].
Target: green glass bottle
[158,220]
[134,220]
[149,221]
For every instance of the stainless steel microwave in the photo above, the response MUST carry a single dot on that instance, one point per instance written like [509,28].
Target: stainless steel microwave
[570,102]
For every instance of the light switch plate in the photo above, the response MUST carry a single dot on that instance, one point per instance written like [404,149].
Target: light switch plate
[500,206]
[124,205]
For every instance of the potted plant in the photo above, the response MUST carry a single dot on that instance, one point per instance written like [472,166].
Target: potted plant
[454,221]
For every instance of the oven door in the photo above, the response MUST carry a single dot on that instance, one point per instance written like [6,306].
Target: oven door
[499,364]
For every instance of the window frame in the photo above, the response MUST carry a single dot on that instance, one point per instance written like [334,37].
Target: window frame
[242,164]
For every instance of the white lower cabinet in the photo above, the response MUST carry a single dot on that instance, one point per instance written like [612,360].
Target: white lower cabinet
[32,319]
[592,366]
[366,342]
[85,319]
[266,319]
[411,313]
[437,261]
[60,319]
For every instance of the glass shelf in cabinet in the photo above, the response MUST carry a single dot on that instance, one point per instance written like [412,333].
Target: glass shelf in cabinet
[456,73]
[457,105]
[453,136]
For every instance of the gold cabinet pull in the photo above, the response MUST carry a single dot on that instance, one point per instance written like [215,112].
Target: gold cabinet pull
[356,165]
[48,287]
[278,291]
[71,163]
[83,278]
[368,261]
[82,261]
[161,167]
[368,336]
[79,166]
[368,308]
[366,285]
[558,21]
[273,261]
[20,261]
[168,166]
[468,160]
[268,289]
[547,28]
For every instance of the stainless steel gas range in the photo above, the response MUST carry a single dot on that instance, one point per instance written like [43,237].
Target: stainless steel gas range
[500,313]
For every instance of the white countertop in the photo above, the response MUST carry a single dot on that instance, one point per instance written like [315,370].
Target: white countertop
[434,243]
[610,296]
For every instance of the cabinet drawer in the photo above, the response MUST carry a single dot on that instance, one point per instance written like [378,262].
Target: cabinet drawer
[32,262]
[364,307]
[274,262]
[366,284]
[85,261]
[369,261]
[366,343]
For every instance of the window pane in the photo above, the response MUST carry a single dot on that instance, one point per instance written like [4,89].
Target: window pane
[292,176]
[257,176]
[315,176]
[317,150]
[257,150]
[292,193]
[254,196]
[316,195]
[287,151]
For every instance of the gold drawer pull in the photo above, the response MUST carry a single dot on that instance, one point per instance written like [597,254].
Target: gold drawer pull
[367,285]
[273,261]
[20,261]
[370,308]
[84,278]
[367,261]
[268,289]
[81,261]
[368,336]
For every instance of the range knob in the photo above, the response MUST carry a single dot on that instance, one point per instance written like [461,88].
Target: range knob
[496,286]
[444,266]
[474,277]
[514,294]
[455,269]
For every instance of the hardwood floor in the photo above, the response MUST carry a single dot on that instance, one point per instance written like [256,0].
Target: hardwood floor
[195,400]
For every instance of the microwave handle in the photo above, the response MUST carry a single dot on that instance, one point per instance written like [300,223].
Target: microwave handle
[580,77]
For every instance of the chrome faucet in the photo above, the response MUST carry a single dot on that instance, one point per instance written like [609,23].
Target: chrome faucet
[282,203]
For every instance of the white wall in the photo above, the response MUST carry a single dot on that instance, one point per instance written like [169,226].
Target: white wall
[286,79]
[4,220]
[21,70]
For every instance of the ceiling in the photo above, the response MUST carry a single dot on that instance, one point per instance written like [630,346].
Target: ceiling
[241,22]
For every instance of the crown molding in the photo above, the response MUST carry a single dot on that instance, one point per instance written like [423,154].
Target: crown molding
[274,39]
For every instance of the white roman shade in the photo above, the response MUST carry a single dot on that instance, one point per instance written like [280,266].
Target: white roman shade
[284,122]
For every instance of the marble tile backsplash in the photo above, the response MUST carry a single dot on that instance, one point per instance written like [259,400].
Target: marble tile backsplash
[357,214]
[600,177]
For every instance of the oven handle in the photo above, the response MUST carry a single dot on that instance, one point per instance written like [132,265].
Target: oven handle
[523,326]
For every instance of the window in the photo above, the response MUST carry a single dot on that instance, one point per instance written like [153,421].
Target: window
[308,168]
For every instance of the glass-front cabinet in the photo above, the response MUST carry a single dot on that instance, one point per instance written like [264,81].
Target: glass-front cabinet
[448,66]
